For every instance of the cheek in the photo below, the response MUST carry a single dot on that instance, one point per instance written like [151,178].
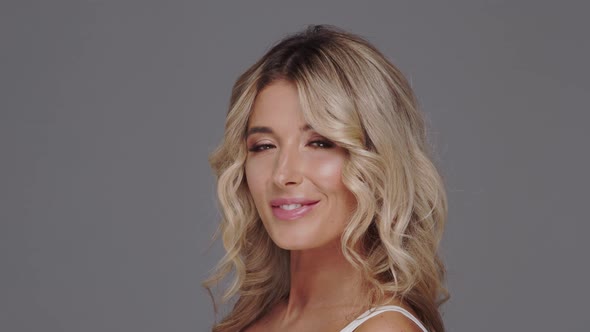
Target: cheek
[254,173]
[327,175]
[327,171]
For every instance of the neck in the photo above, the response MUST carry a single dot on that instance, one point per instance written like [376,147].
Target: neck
[321,278]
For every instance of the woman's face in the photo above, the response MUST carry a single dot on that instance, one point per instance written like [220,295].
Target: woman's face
[294,174]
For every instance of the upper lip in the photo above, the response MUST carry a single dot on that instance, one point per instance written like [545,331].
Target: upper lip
[287,201]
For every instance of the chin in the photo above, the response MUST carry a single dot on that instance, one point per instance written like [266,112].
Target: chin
[304,234]
[299,243]
[290,245]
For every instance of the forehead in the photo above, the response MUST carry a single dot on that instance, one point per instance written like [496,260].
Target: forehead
[277,101]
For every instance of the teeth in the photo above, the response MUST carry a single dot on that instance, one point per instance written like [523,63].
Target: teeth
[290,206]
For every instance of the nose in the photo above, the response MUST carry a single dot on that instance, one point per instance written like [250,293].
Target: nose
[287,170]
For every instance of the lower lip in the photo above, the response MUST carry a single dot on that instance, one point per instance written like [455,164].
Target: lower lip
[292,214]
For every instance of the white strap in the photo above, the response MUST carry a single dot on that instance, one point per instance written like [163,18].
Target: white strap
[376,311]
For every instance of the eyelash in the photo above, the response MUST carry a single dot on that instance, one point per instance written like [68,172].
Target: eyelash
[260,147]
[326,143]
[319,144]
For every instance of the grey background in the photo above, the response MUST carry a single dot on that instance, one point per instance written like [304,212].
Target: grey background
[109,109]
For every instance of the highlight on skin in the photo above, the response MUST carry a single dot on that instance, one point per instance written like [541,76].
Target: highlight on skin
[353,96]
[287,158]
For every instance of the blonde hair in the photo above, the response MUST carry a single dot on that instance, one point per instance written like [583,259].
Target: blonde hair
[351,94]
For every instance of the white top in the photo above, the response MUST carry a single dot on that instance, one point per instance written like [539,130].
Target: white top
[376,311]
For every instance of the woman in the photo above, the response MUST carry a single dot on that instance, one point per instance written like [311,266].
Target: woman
[332,209]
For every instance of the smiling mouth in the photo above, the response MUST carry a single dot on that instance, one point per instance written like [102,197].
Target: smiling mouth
[290,207]
[292,211]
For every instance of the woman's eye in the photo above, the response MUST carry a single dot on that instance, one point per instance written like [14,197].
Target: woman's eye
[324,144]
[260,147]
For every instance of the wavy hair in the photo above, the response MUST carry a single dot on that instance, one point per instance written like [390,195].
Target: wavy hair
[351,94]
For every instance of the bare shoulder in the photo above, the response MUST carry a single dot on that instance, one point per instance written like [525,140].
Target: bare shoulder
[389,321]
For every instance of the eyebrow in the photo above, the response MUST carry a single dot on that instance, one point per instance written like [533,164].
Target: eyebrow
[268,130]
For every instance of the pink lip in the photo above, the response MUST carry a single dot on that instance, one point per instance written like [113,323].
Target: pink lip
[306,206]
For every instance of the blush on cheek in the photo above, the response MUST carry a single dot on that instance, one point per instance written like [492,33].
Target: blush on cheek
[328,171]
[257,173]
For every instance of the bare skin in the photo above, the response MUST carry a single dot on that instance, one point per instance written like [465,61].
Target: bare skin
[324,290]
[287,158]
[323,287]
